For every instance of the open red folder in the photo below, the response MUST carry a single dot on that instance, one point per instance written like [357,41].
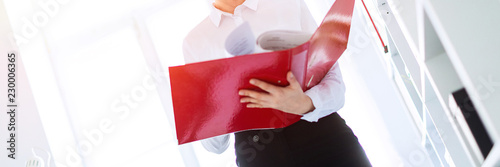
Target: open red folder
[205,94]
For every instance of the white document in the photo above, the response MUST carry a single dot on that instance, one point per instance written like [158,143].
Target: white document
[242,41]
[282,39]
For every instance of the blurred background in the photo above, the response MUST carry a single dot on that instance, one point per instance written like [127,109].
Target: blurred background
[96,87]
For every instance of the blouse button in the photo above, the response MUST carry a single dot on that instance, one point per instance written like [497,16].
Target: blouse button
[255,138]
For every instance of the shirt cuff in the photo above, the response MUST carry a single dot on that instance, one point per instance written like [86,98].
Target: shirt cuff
[312,116]
[217,144]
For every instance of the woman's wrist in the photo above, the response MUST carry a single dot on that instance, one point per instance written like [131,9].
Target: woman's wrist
[307,106]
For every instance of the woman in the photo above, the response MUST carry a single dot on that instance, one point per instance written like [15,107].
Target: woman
[321,137]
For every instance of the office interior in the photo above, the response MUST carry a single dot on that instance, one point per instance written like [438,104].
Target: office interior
[94,87]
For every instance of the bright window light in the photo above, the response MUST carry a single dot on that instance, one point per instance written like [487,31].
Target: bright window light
[109,82]
[95,53]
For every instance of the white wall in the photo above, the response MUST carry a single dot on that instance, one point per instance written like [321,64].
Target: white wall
[86,58]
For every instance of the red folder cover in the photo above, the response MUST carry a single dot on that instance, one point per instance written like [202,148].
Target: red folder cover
[205,94]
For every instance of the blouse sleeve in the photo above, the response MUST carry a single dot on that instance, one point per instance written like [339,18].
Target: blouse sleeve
[187,53]
[217,144]
[306,20]
[328,96]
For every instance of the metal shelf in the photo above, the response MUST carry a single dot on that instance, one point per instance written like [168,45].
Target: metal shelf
[443,46]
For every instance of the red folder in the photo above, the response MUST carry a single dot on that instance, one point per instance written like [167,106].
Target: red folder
[205,94]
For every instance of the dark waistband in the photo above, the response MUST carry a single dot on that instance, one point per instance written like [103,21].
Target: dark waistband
[281,146]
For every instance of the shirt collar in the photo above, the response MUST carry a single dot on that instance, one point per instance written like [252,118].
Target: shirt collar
[216,14]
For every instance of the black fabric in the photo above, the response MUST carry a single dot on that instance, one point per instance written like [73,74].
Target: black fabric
[328,142]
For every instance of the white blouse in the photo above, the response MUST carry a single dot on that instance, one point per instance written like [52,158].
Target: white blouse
[206,42]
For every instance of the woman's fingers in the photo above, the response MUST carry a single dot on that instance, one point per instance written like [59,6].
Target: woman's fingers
[249,100]
[254,94]
[264,85]
[292,80]
[255,103]
[290,99]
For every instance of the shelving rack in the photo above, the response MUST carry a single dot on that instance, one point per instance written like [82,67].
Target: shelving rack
[436,48]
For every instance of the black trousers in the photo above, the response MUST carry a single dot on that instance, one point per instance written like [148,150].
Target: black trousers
[328,142]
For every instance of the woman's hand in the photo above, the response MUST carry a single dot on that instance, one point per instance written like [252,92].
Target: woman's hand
[290,99]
